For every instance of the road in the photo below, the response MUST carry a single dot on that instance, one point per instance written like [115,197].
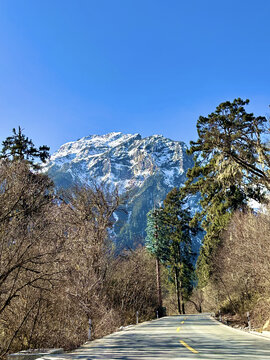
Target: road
[176,337]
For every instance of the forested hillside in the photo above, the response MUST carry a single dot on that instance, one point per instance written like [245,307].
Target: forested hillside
[143,170]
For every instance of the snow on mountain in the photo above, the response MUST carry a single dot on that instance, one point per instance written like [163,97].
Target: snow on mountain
[122,160]
[145,168]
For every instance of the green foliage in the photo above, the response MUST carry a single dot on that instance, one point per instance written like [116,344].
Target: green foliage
[236,140]
[227,172]
[169,240]
[19,147]
[156,240]
[179,232]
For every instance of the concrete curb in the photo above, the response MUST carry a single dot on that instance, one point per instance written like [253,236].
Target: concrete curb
[91,343]
[240,330]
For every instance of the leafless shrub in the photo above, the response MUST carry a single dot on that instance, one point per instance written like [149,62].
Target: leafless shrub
[132,286]
[196,301]
[89,217]
[242,264]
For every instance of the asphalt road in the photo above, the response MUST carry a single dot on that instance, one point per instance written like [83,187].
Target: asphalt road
[176,337]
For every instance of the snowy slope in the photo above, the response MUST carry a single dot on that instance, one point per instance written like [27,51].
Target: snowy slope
[145,168]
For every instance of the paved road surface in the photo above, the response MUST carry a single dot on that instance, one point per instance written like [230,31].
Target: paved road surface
[176,337]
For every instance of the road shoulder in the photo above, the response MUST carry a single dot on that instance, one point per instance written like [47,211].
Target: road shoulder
[254,333]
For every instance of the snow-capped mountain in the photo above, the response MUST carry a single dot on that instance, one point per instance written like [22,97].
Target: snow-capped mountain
[144,168]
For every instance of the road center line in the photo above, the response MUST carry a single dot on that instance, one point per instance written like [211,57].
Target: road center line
[189,347]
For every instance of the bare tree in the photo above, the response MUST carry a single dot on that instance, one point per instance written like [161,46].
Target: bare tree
[131,285]
[31,244]
[242,263]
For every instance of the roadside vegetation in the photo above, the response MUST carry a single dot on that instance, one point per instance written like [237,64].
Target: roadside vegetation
[231,170]
[59,268]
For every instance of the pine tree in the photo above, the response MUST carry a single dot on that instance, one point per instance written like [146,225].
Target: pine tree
[156,244]
[169,240]
[179,233]
[237,140]
[226,172]
[156,240]
[18,147]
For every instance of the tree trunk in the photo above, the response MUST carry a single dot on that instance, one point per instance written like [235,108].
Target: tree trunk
[183,307]
[198,306]
[181,297]
[177,290]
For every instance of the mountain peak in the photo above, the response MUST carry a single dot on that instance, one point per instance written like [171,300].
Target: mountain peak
[118,159]
[145,168]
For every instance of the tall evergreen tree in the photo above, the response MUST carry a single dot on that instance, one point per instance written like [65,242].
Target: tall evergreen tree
[227,171]
[156,241]
[157,246]
[169,240]
[18,147]
[179,233]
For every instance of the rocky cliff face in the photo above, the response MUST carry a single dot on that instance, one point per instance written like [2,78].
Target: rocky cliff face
[144,168]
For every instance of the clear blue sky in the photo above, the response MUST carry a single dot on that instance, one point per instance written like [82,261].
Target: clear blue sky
[70,68]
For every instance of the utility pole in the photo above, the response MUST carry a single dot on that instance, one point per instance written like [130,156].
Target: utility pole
[137,317]
[90,329]
[158,269]
[158,284]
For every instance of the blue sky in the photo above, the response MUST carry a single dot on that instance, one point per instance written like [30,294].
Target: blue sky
[73,68]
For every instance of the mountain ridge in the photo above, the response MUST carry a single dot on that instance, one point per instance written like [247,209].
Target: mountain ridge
[144,168]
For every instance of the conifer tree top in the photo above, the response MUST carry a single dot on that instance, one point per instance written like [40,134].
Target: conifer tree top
[19,147]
